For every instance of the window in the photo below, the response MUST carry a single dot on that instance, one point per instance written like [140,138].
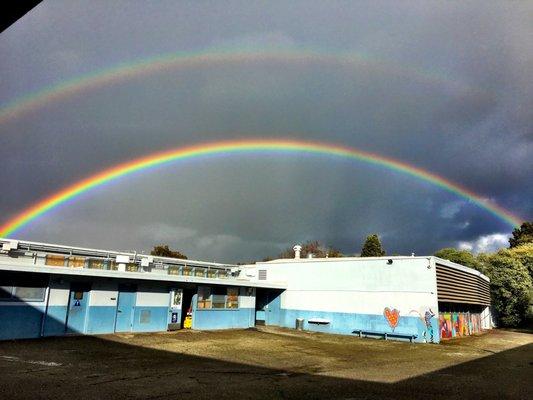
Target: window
[6,292]
[76,262]
[218,298]
[55,260]
[232,299]
[23,288]
[97,264]
[29,293]
[204,297]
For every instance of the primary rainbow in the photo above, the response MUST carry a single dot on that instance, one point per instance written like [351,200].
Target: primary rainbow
[245,146]
[215,57]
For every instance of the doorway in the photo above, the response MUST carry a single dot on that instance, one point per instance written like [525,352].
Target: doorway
[268,307]
[186,304]
[125,308]
[77,307]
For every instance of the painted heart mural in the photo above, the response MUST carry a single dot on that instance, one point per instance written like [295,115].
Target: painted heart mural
[392,317]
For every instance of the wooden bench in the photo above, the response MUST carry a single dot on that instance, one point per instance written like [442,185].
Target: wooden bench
[386,335]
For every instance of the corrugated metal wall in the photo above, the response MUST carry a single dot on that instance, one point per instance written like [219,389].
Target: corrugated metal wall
[456,286]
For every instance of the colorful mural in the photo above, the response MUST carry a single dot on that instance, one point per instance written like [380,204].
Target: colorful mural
[392,317]
[456,324]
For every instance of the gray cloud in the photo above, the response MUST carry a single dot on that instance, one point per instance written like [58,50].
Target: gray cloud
[446,88]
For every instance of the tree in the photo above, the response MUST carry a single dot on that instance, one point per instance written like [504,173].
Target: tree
[524,253]
[522,235]
[164,251]
[312,247]
[510,286]
[463,257]
[372,247]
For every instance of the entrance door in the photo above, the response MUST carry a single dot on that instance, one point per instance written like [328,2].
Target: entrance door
[77,308]
[272,309]
[125,308]
[267,307]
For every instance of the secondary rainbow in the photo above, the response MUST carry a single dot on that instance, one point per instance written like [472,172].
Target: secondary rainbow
[245,146]
[212,58]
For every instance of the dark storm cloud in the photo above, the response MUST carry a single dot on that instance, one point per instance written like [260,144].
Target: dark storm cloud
[463,111]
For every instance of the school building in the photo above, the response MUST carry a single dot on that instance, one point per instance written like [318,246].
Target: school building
[54,290]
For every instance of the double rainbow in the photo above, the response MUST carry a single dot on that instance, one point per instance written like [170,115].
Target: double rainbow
[215,58]
[245,146]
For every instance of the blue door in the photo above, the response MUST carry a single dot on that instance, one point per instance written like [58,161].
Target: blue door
[125,309]
[272,309]
[77,309]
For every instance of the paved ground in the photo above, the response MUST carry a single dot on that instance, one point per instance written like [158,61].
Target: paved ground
[270,363]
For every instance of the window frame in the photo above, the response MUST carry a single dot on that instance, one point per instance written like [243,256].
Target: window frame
[222,296]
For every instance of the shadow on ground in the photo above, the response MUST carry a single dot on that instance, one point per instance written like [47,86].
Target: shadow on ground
[99,368]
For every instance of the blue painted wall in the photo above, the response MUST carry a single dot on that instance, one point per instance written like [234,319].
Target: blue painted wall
[223,319]
[206,319]
[346,323]
[21,321]
[101,319]
[154,319]
[55,320]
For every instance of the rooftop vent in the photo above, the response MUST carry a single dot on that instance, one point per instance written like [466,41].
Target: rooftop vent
[297,249]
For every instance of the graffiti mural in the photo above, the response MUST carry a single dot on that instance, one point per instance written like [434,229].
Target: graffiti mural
[392,317]
[457,324]
[426,316]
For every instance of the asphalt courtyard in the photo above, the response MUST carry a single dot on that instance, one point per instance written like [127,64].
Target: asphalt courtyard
[265,364]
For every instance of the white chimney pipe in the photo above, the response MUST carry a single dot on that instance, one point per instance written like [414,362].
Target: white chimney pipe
[297,249]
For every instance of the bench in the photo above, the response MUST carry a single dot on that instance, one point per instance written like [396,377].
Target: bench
[318,321]
[386,335]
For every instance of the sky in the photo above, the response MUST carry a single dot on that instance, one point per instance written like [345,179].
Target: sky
[443,86]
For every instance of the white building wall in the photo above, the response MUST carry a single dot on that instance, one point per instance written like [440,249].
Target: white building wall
[247,298]
[349,295]
[356,286]
[152,296]
[104,294]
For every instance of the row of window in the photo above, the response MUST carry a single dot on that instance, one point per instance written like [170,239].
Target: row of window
[218,298]
[109,264]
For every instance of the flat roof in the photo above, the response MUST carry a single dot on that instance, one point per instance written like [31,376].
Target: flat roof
[437,260]
[144,276]
[88,252]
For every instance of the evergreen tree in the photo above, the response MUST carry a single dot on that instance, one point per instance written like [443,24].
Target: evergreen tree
[372,247]
[522,235]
